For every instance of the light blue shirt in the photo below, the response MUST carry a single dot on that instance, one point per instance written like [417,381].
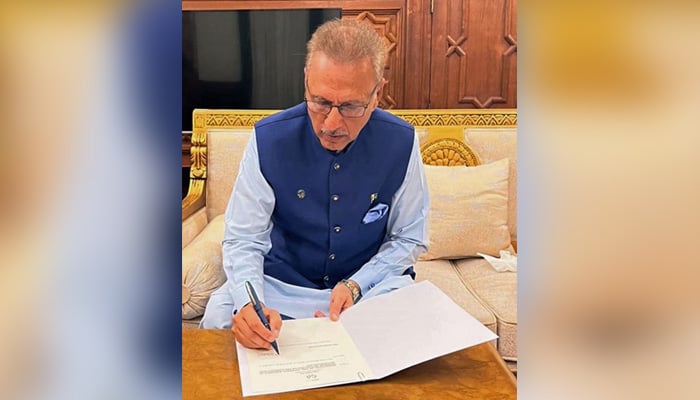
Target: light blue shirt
[247,240]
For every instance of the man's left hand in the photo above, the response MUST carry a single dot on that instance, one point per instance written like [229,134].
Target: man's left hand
[341,299]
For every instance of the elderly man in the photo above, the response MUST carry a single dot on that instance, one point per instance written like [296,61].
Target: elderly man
[330,204]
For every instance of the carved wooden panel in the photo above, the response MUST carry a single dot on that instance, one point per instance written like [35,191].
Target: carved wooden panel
[473,55]
[388,23]
[462,55]
[417,54]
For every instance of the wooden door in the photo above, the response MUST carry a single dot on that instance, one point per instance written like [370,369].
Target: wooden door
[442,53]
[473,54]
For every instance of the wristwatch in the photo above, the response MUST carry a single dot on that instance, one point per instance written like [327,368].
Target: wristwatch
[354,289]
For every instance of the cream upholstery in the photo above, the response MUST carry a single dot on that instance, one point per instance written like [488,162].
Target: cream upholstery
[498,293]
[493,144]
[193,225]
[468,210]
[202,269]
[443,274]
[224,153]
[458,138]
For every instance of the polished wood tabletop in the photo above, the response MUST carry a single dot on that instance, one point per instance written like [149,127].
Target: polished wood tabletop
[210,371]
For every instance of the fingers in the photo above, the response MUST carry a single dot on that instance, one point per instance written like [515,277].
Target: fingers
[319,314]
[341,299]
[250,331]
[245,333]
[334,309]
[275,320]
[254,323]
[248,338]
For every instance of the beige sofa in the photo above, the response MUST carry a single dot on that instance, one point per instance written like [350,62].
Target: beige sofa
[473,208]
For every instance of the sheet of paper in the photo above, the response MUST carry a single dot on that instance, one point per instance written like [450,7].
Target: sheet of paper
[375,338]
[313,353]
[409,326]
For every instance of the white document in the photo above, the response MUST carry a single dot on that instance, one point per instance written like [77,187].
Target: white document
[373,339]
[313,352]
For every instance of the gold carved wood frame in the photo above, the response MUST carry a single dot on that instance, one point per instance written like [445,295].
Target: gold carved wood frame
[442,146]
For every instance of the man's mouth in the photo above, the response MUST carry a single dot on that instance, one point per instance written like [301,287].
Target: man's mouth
[334,134]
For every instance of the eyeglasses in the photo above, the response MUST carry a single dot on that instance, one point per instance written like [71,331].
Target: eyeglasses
[345,110]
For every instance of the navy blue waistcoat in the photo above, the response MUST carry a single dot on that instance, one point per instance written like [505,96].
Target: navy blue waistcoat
[318,237]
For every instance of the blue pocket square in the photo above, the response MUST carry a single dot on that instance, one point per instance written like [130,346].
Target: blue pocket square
[375,213]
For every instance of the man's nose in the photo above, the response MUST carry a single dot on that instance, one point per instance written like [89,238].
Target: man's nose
[333,120]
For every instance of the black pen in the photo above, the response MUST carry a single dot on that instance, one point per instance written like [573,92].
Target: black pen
[258,310]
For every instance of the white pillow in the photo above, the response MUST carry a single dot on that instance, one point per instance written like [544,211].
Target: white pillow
[468,210]
[202,268]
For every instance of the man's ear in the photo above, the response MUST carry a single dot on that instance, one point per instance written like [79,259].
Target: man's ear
[380,91]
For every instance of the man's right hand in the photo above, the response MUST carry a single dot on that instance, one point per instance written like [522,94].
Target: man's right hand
[250,331]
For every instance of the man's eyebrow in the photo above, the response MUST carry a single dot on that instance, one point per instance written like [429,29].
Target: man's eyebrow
[321,99]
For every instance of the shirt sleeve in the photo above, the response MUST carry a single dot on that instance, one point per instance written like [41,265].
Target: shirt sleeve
[407,228]
[247,227]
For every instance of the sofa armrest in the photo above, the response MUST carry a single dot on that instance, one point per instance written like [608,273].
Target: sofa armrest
[196,195]
[193,225]
[194,201]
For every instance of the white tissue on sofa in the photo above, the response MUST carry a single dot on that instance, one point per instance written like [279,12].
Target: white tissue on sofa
[506,263]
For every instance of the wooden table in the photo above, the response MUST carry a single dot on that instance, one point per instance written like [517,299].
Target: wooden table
[210,371]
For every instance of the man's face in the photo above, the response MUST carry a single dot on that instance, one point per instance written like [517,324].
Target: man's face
[351,84]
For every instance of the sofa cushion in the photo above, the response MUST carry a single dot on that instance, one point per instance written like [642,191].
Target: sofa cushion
[224,153]
[491,144]
[444,276]
[468,210]
[498,293]
[202,270]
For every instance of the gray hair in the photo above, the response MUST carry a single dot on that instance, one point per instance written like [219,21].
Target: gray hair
[348,41]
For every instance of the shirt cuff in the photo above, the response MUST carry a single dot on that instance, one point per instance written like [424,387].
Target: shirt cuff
[366,278]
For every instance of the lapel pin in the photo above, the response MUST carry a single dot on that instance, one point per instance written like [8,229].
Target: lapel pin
[372,198]
[301,193]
